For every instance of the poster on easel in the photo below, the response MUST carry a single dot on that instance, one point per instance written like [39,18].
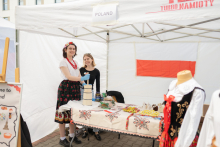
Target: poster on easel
[10,101]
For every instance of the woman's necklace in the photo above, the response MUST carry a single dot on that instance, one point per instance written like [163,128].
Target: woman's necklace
[74,66]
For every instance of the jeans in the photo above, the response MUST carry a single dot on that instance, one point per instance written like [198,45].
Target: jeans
[93,97]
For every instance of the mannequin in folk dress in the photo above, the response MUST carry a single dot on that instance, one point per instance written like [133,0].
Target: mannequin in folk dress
[183,76]
[182,113]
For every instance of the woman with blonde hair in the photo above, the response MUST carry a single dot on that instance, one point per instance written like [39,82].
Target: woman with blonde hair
[89,67]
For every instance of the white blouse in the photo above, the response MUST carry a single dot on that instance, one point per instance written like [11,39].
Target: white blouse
[193,114]
[211,124]
[73,72]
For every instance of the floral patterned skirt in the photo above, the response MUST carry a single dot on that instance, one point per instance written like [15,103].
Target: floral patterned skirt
[68,90]
[172,142]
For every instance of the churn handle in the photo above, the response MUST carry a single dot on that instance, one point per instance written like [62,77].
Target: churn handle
[88,79]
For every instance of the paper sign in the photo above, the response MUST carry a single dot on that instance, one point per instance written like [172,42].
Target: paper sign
[104,14]
[10,98]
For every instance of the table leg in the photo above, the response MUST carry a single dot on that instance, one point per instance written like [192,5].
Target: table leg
[87,129]
[153,142]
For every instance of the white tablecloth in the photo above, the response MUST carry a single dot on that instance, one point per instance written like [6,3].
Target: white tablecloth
[112,120]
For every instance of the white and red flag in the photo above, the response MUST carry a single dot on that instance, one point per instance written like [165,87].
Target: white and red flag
[165,59]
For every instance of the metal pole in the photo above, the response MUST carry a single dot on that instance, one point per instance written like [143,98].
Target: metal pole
[183,27]
[196,35]
[17,34]
[187,26]
[93,33]
[119,32]
[186,36]
[154,32]
[136,30]
[66,32]
[153,142]
[143,30]
[107,40]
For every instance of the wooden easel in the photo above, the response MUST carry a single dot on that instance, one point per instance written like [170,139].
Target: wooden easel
[17,80]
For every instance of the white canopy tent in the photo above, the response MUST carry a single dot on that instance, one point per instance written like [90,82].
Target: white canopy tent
[7,29]
[157,22]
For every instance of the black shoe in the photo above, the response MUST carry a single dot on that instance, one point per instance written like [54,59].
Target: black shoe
[64,143]
[98,137]
[85,134]
[90,131]
[76,140]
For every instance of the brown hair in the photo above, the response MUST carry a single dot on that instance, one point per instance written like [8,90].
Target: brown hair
[90,56]
[65,54]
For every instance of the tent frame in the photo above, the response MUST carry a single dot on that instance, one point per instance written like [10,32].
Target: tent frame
[141,33]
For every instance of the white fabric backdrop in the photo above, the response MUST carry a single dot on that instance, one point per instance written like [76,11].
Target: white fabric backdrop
[39,66]
[122,73]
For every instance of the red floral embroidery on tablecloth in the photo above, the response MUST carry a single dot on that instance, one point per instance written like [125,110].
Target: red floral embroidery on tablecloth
[85,114]
[141,122]
[112,116]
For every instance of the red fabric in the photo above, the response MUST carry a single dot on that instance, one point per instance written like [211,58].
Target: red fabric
[172,143]
[160,68]
[167,115]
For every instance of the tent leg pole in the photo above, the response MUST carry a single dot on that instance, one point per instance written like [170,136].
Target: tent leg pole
[18,51]
[107,40]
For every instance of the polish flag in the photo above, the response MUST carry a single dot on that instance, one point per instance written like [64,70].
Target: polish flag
[165,59]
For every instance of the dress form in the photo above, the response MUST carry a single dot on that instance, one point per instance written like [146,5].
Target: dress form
[183,76]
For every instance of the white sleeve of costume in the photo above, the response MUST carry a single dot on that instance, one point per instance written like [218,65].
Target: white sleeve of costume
[191,120]
[207,132]
[63,63]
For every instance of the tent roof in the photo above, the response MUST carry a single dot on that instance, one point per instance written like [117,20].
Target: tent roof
[6,24]
[7,29]
[137,21]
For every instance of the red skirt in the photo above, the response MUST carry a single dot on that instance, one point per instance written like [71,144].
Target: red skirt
[172,142]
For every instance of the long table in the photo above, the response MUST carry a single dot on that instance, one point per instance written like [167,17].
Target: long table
[114,120]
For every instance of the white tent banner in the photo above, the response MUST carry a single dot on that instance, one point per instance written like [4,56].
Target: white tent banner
[130,12]
[104,14]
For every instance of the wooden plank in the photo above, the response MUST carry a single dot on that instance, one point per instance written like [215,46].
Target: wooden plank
[17,75]
[5,58]
[19,134]
[17,80]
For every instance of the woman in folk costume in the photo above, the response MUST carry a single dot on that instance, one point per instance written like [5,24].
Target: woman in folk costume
[210,133]
[182,112]
[69,89]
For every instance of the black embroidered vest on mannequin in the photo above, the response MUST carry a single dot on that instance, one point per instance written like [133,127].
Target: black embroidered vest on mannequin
[178,111]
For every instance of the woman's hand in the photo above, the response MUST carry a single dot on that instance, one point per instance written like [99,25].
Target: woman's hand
[86,77]
[85,84]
